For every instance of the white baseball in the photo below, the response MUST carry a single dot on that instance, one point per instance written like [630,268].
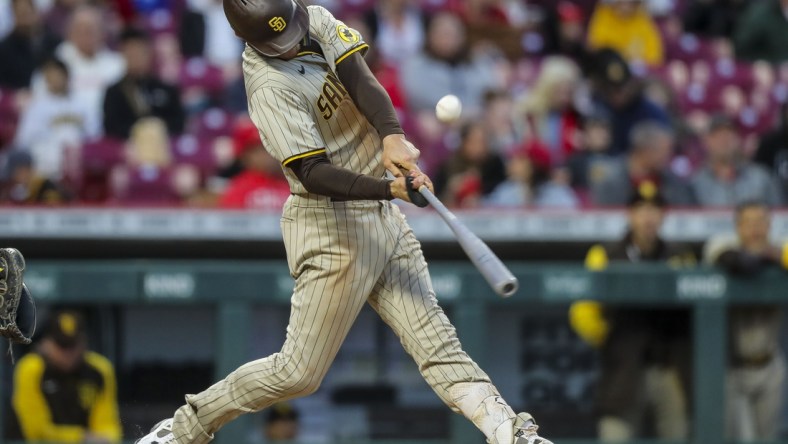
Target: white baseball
[448,109]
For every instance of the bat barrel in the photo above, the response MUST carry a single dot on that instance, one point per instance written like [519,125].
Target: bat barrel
[489,265]
[509,288]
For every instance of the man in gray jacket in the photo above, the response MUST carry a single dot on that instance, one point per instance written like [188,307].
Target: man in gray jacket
[646,163]
[729,179]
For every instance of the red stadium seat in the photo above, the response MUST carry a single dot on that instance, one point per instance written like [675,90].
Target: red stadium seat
[97,159]
[143,185]
[211,123]
[191,150]
[198,73]
[9,116]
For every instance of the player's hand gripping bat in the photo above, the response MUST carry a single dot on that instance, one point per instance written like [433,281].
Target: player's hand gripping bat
[494,271]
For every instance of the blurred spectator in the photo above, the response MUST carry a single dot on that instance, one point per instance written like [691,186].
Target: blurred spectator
[499,23]
[553,118]
[728,178]
[501,13]
[140,93]
[646,166]
[57,17]
[620,96]
[762,33]
[660,93]
[504,128]
[55,121]
[25,186]
[150,175]
[470,173]
[756,377]
[531,182]
[565,31]
[645,357]
[205,32]
[25,47]
[593,154]
[773,150]
[261,184]
[397,29]
[281,423]
[149,144]
[6,18]
[627,27]
[64,393]
[713,18]
[92,66]
[446,66]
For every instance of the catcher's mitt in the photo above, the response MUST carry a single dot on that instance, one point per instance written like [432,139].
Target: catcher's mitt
[17,308]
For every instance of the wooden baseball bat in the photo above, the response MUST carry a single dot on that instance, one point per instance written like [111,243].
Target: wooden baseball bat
[489,265]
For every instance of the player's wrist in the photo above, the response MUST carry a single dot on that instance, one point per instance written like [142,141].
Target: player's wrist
[389,193]
[394,135]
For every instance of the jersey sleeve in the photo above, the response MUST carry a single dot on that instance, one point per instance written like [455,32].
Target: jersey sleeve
[286,124]
[337,39]
[104,419]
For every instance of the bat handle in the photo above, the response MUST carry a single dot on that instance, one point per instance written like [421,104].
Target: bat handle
[437,204]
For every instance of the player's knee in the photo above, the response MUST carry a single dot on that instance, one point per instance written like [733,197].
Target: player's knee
[306,380]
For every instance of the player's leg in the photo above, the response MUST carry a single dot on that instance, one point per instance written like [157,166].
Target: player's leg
[620,392]
[768,402]
[334,278]
[667,398]
[405,300]
[739,416]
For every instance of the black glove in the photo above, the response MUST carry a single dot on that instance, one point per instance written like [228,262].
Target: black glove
[415,197]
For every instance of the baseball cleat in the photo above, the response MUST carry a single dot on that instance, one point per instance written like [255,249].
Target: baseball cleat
[525,431]
[161,433]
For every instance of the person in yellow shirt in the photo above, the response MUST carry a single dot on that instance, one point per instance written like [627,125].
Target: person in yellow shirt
[644,353]
[627,27]
[62,392]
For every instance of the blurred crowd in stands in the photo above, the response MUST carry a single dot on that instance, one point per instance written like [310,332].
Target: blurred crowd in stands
[566,103]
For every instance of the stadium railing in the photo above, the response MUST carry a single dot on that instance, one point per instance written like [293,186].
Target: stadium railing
[707,291]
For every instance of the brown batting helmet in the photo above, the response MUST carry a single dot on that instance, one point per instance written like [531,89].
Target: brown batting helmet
[272,27]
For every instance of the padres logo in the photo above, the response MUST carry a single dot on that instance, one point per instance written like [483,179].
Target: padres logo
[278,24]
[347,34]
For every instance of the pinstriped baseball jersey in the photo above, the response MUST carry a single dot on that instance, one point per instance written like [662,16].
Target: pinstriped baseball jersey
[301,108]
[342,254]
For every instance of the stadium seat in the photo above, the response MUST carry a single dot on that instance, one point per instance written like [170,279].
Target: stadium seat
[191,150]
[211,123]
[9,116]
[145,185]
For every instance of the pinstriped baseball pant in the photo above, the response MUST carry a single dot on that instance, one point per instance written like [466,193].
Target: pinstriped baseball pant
[342,255]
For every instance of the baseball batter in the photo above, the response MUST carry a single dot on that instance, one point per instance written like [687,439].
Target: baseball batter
[323,115]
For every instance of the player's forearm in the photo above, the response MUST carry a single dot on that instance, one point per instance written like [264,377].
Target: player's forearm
[368,95]
[319,176]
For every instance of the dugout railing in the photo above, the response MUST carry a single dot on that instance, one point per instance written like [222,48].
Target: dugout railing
[234,287]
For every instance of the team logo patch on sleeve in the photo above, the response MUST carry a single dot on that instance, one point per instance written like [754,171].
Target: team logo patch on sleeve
[347,34]
[278,24]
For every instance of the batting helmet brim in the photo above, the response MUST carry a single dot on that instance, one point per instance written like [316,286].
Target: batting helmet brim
[295,30]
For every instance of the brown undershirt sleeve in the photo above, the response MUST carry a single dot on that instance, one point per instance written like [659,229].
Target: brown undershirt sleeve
[319,176]
[369,96]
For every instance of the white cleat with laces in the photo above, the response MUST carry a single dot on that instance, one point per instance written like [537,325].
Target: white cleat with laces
[161,433]
[525,431]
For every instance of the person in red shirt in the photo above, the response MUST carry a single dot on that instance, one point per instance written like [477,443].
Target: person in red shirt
[261,184]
